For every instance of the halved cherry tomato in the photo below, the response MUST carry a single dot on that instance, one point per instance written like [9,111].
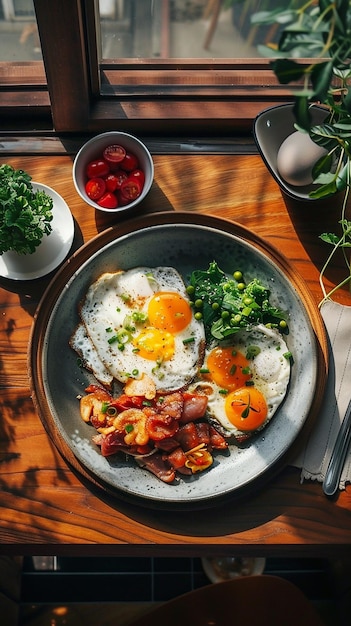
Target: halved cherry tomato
[122,200]
[114,154]
[95,188]
[108,201]
[121,176]
[97,168]
[131,188]
[130,162]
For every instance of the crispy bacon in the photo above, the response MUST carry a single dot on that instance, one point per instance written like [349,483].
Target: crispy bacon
[172,429]
[218,442]
[159,466]
[112,443]
[170,405]
[194,407]
[177,458]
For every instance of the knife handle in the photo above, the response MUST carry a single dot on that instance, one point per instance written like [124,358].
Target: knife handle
[338,455]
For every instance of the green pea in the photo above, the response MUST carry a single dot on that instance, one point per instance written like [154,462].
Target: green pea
[198,315]
[241,286]
[199,304]
[238,275]
[215,306]
[225,315]
[190,290]
[282,324]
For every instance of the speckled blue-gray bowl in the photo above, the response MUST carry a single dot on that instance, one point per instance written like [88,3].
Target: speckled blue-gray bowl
[184,241]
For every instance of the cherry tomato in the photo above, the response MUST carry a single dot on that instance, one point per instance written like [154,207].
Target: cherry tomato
[108,201]
[131,188]
[111,181]
[139,175]
[130,162]
[95,188]
[121,177]
[97,168]
[122,200]
[114,154]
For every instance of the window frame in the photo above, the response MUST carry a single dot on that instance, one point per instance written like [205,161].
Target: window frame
[67,30]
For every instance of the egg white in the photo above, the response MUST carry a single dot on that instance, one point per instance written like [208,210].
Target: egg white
[270,371]
[112,299]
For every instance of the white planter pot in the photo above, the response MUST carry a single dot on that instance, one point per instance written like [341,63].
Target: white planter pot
[271,127]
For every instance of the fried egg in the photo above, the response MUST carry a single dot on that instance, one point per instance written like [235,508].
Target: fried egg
[81,343]
[140,322]
[246,381]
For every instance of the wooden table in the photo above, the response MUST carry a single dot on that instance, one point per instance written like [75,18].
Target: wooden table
[45,507]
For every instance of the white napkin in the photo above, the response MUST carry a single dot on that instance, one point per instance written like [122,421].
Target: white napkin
[314,459]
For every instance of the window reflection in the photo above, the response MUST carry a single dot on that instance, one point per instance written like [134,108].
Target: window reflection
[187,29]
[19,39]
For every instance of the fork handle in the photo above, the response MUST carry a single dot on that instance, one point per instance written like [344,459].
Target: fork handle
[338,455]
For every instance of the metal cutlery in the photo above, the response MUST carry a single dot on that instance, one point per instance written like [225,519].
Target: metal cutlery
[338,455]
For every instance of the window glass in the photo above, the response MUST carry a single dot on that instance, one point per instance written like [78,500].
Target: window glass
[19,39]
[186,29]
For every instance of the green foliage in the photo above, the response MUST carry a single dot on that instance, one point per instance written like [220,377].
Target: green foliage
[320,30]
[25,214]
[228,306]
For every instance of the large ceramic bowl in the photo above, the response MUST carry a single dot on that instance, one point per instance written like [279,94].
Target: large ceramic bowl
[94,148]
[271,127]
[184,241]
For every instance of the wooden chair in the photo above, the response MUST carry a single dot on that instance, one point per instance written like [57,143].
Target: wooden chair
[246,601]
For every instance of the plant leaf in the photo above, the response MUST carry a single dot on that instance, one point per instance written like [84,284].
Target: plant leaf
[330,238]
[287,70]
[302,112]
[321,76]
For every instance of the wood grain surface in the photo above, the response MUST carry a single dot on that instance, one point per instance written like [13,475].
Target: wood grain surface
[46,506]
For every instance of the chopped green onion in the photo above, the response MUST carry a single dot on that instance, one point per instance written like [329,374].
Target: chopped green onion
[252,351]
[111,411]
[112,339]
[188,340]
[139,317]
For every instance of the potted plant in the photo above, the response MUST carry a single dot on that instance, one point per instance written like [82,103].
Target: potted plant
[321,30]
[25,213]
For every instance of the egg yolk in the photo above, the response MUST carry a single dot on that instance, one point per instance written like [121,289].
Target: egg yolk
[154,344]
[169,311]
[228,368]
[246,408]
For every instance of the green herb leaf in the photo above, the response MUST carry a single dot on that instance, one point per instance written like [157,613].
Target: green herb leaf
[25,214]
